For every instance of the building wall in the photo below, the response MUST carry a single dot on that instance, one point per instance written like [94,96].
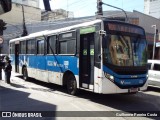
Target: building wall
[152,7]
[147,21]
[56,14]
[15,16]
[146,6]
[33,3]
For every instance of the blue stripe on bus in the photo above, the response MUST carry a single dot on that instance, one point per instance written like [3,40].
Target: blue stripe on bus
[109,71]
[129,82]
[126,80]
[49,63]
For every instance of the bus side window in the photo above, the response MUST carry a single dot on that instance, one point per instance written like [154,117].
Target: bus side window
[67,43]
[40,47]
[23,47]
[51,45]
[31,46]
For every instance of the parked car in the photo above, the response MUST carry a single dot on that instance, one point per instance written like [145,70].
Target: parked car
[154,73]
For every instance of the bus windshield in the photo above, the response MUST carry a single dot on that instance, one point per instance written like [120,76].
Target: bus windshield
[125,50]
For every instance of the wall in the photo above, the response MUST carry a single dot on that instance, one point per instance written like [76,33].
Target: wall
[15,15]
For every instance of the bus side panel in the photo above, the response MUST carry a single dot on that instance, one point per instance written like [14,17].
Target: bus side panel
[57,65]
[41,72]
[30,62]
[97,80]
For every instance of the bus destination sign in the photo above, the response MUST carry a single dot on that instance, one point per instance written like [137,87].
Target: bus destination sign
[125,28]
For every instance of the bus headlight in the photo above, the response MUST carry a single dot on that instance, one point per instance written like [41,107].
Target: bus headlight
[108,76]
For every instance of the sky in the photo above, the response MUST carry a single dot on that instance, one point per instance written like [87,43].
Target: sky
[82,8]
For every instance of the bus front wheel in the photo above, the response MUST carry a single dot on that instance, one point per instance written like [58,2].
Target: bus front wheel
[25,73]
[72,85]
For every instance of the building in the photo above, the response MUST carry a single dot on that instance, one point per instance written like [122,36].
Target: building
[15,16]
[32,3]
[152,8]
[56,14]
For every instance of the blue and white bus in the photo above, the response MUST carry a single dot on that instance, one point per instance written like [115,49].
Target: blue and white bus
[102,56]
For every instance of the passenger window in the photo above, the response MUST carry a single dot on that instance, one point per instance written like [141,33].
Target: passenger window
[31,46]
[67,43]
[40,47]
[23,47]
[156,67]
[51,45]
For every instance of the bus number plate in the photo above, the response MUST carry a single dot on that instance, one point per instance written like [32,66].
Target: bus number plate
[133,90]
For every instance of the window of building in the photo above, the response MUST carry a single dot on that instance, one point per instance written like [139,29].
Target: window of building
[31,47]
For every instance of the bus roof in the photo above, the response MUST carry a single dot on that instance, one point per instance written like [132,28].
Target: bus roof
[50,32]
[74,26]
[37,34]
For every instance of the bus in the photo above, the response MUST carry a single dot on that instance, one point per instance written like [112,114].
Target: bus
[103,56]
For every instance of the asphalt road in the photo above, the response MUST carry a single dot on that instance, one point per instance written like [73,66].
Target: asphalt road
[33,95]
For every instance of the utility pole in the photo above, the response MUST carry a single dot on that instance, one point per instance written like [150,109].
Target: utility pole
[155,34]
[25,33]
[2,27]
[99,9]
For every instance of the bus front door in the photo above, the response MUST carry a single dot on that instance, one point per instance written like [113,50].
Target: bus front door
[17,57]
[87,60]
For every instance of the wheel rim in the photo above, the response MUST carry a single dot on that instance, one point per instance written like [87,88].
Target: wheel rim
[71,86]
[25,74]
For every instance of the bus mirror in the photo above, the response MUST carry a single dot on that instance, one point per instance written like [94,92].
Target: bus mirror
[5,6]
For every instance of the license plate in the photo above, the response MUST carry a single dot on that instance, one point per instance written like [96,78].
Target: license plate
[133,90]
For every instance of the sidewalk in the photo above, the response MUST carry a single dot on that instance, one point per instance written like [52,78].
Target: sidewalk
[13,79]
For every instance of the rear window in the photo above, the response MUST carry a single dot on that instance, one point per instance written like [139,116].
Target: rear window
[156,67]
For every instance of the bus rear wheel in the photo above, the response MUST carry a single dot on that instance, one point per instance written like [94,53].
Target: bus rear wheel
[25,73]
[71,85]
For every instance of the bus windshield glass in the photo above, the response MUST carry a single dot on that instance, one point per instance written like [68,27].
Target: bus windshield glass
[125,48]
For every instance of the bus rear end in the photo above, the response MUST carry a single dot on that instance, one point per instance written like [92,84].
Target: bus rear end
[124,63]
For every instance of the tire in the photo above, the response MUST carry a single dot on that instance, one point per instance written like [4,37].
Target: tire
[25,73]
[71,85]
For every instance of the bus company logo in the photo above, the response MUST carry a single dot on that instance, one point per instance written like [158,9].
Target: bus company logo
[6,114]
[122,82]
